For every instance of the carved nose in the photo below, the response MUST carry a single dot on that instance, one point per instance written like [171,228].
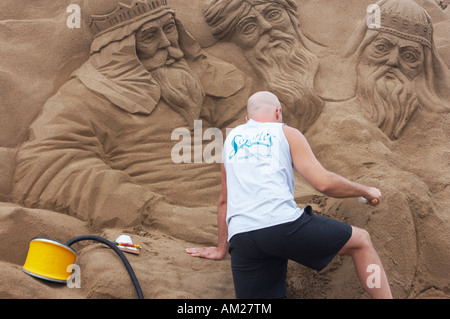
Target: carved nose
[163,41]
[393,58]
[265,26]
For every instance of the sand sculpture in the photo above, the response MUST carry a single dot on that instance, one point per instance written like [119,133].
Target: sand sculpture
[95,154]
[87,162]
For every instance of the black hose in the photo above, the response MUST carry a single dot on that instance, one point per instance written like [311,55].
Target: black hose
[117,250]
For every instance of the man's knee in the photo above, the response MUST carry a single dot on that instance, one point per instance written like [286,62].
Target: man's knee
[364,238]
[360,239]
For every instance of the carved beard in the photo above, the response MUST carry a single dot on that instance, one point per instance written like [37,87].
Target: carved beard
[288,70]
[181,89]
[387,96]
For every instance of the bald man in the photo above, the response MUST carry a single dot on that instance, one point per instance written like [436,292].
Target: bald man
[259,221]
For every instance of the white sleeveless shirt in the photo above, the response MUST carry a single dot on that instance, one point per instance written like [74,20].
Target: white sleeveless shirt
[260,178]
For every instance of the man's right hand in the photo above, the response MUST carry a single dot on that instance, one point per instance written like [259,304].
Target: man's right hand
[213,253]
[373,196]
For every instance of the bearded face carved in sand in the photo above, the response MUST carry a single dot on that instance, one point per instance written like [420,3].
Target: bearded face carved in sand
[399,69]
[387,70]
[158,50]
[268,34]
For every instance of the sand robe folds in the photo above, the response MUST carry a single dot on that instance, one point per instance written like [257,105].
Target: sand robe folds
[90,159]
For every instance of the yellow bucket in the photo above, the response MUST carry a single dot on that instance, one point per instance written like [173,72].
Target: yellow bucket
[50,260]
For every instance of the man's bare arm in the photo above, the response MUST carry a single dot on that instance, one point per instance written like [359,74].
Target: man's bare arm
[220,251]
[326,182]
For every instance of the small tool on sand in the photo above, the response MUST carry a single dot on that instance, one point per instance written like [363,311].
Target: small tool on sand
[366,201]
[125,244]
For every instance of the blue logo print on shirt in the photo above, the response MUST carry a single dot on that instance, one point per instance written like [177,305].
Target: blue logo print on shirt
[239,142]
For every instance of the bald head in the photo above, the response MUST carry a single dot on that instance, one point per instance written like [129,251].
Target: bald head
[264,107]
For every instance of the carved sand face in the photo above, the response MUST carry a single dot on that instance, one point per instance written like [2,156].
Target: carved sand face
[271,46]
[158,50]
[390,50]
[388,66]
[157,43]
[263,19]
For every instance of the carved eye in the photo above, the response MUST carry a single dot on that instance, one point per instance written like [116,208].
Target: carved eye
[169,28]
[381,48]
[149,36]
[248,28]
[273,15]
[410,56]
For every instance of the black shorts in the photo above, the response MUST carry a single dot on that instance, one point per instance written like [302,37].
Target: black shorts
[259,258]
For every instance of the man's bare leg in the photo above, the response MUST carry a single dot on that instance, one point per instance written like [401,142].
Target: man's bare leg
[366,260]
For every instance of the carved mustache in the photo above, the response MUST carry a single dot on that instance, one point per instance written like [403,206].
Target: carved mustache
[166,56]
[274,38]
[174,53]
[386,70]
